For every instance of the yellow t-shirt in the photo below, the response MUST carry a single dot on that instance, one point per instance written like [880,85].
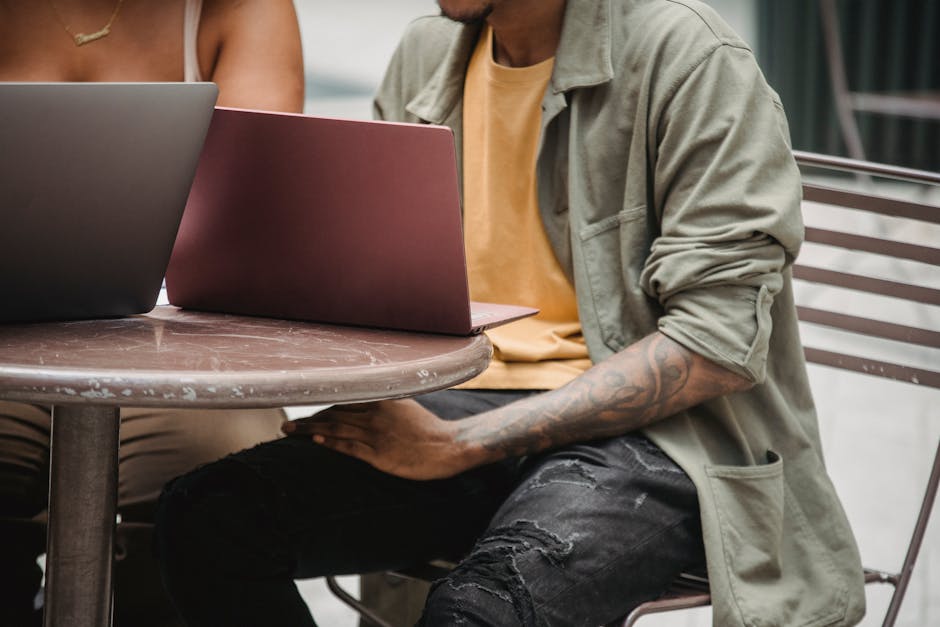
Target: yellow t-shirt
[509,257]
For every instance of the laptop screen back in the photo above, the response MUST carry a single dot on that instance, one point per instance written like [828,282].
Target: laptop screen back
[93,181]
[342,221]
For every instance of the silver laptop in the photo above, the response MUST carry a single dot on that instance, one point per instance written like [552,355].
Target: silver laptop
[342,221]
[93,182]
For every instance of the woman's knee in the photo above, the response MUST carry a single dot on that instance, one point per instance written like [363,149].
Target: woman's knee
[24,459]
[158,444]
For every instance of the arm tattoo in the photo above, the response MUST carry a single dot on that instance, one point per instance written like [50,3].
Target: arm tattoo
[649,380]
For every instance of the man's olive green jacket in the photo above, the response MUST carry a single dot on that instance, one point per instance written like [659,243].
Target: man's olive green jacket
[670,195]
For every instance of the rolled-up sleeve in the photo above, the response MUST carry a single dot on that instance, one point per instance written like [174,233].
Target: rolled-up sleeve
[727,194]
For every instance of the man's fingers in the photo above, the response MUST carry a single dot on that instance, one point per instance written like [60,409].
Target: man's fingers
[330,428]
[353,448]
[354,408]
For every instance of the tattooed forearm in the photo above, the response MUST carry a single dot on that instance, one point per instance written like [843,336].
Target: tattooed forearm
[649,380]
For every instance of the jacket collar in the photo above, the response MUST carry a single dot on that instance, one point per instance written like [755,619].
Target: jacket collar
[583,60]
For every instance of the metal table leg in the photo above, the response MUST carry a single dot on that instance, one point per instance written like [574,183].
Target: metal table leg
[82,508]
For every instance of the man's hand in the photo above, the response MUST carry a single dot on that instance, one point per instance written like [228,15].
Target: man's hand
[399,437]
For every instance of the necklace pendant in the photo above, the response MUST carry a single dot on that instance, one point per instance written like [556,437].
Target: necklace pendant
[81,38]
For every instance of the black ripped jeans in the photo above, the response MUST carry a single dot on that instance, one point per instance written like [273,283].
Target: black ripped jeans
[575,536]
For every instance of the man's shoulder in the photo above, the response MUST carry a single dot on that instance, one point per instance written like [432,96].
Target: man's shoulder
[664,40]
[672,24]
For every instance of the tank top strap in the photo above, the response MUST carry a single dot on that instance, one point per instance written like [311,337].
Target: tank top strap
[192,12]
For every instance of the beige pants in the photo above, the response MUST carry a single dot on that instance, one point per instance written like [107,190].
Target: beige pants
[156,445]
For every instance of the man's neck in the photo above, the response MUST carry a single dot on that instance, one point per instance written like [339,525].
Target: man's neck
[526,32]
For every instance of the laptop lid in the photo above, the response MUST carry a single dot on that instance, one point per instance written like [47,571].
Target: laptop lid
[93,181]
[341,221]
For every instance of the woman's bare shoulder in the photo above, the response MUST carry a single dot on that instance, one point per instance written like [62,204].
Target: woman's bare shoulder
[252,49]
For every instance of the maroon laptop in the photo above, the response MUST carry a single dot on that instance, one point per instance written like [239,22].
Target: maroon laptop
[340,221]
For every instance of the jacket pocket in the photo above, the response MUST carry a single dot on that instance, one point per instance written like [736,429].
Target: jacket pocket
[778,571]
[614,250]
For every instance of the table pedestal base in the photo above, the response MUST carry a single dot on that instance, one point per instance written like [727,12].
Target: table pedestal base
[82,509]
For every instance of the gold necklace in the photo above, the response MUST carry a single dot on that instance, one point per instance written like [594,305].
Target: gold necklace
[81,39]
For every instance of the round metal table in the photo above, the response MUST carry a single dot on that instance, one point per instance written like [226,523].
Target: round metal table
[87,370]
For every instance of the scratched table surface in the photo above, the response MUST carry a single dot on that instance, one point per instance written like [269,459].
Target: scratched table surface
[174,357]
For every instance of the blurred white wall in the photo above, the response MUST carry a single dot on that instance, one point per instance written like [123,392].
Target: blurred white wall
[347,46]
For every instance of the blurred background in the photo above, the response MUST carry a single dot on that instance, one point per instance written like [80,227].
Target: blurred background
[824,58]
[885,46]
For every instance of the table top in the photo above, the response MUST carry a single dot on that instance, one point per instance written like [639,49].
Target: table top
[181,358]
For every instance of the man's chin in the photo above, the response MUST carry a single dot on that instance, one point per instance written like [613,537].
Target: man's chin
[470,15]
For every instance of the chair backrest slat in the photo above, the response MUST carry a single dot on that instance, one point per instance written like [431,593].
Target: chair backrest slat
[884,287]
[874,204]
[871,327]
[889,370]
[856,166]
[901,250]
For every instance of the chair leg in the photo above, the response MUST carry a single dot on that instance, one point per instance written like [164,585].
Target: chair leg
[916,539]
[666,605]
[355,604]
